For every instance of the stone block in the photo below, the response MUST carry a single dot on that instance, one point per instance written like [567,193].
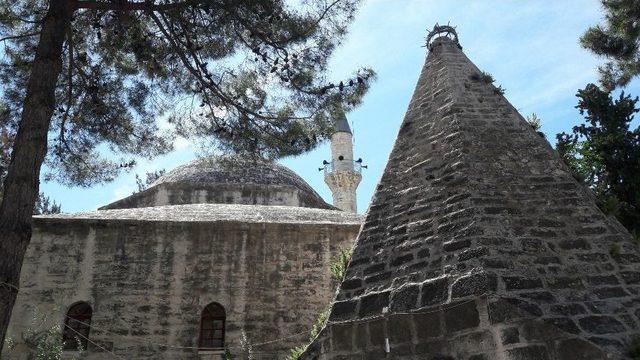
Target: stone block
[504,310]
[461,316]
[473,253]
[351,284]
[405,298]
[568,309]
[631,277]
[376,333]
[578,349]
[423,253]
[603,280]
[520,283]
[372,304]
[565,283]
[374,269]
[456,245]
[574,244]
[610,292]
[564,324]
[474,284]
[601,325]
[400,330]
[510,336]
[539,296]
[343,310]
[435,291]
[427,325]
[402,260]
[342,337]
[361,336]
[532,352]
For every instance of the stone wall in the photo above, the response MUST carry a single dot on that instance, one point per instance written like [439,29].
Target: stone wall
[148,282]
[480,243]
[206,193]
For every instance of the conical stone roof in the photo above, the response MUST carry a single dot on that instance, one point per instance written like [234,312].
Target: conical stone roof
[479,244]
[341,124]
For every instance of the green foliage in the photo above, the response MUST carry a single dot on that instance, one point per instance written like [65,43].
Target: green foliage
[150,178]
[536,124]
[44,340]
[534,121]
[227,355]
[617,39]
[486,77]
[321,320]
[44,206]
[499,90]
[338,267]
[243,76]
[296,352]
[604,153]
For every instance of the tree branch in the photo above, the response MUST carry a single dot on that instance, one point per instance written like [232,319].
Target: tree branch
[19,36]
[135,6]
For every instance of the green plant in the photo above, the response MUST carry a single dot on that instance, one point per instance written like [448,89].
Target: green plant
[499,90]
[486,77]
[317,326]
[227,355]
[296,352]
[338,267]
[534,121]
[43,340]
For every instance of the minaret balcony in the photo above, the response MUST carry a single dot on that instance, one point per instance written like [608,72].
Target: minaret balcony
[344,165]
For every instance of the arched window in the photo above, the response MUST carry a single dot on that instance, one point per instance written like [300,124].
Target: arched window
[212,327]
[77,324]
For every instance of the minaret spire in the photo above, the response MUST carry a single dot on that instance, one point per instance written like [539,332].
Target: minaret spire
[342,174]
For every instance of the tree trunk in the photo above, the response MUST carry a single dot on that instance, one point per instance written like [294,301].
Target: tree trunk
[21,185]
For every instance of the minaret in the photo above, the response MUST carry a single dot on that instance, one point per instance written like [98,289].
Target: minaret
[342,174]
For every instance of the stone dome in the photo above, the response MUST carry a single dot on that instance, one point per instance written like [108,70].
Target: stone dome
[228,179]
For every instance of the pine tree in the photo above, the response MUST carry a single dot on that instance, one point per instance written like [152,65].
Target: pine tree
[85,78]
[604,153]
[618,40]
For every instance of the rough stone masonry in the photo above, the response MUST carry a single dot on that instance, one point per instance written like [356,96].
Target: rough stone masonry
[479,244]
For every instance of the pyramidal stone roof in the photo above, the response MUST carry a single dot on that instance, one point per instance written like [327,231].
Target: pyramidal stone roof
[479,244]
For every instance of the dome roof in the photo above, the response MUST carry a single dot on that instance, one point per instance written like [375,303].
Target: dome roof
[234,169]
[230,179]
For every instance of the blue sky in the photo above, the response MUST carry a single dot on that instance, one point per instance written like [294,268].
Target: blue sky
[531,48]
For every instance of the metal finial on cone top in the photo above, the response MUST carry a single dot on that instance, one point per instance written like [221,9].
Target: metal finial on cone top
[442,31]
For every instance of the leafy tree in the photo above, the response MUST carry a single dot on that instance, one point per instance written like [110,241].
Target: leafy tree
[605,154]
[150,178]
[44,206]
[87,77]
[618,40]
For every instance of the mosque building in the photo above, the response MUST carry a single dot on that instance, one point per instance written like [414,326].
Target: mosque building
[221,255]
